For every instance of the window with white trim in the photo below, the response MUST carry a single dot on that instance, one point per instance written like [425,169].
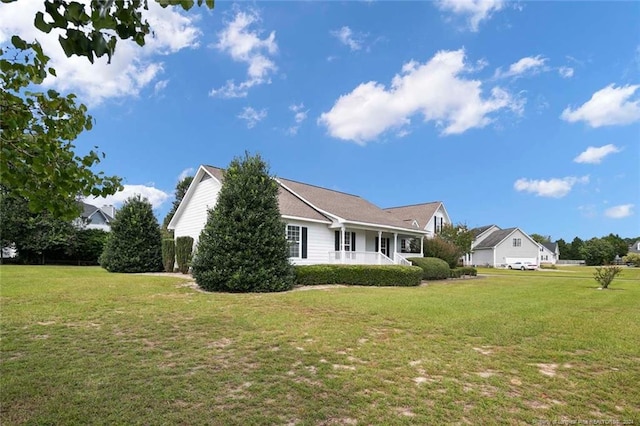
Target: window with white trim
[293,237]
[347,241]
[517,242]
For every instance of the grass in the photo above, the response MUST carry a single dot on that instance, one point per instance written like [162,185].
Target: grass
[82,346]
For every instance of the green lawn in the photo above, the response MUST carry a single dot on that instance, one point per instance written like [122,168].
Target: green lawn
[82,346]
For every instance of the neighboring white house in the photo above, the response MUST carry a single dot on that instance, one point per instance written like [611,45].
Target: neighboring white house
[549,253]
[93,217]
[322,225]
[497,247]
[635,247]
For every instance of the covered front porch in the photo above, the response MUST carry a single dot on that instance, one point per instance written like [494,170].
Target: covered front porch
[362,246]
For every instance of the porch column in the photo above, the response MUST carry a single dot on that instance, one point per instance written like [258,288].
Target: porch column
[422,245]
[395,246]
[342,256]
[379,247]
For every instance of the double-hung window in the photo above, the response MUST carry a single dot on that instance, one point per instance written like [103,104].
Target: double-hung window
[517,242]
[295,242]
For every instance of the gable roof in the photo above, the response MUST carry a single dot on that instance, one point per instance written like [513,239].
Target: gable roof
[420,212]
[550,246]
[479,230]
[304,201]
[289,204]
[346,208]
[89,210]
[495,238]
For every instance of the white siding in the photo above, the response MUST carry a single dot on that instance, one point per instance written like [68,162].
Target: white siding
[483,257]
[320,241]
[194,217]
[505,249]
[437,217]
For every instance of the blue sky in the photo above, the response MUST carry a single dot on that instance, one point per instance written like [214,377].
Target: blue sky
[513,113]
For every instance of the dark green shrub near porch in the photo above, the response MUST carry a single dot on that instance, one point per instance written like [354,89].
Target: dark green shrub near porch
[432,268]
[184,249]
[168,254]
[371,275]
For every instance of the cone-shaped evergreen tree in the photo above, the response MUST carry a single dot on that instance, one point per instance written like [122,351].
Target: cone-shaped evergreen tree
[243,246]
[134,243]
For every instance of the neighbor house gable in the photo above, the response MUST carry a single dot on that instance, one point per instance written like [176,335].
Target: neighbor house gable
[425,215]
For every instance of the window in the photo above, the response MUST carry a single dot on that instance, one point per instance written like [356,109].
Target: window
[517,242]
[293,236]
[383,245]
[347,241]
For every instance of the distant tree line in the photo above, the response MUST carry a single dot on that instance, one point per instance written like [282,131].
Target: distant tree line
[596,251]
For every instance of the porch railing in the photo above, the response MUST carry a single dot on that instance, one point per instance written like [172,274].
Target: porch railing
[400,259]
[359,258]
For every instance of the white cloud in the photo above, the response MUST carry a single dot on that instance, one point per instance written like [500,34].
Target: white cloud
[132,67]
[565,72]
[436,89]
[595,155]
[609,106]
[349,38]
[527,65]
[252,117]
[300,115]
[554,188]
[619,212]
[155,196]
[185,173]
[475,11]
[160,86]
[245,45]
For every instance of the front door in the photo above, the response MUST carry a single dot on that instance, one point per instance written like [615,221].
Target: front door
[384,246]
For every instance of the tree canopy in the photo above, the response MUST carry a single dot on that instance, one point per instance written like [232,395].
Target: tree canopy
[38,160]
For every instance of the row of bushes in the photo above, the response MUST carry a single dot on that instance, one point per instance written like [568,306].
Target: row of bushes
[178,251]
[463,271]
[371,275]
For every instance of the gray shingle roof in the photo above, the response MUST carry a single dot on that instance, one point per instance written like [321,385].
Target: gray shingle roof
[479,230]
[550,246]
[89,210]
[350,207]
[289,204]
[495,238]
[422,213]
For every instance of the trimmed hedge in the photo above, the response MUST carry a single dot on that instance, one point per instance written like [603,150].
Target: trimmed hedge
[184,249]
[462,271]
[432,268]
[168,254]
[371,275]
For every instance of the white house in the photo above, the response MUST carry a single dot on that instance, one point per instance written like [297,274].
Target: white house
[430,217]
[497,247]
[93,217]
[549,253]
[322,225]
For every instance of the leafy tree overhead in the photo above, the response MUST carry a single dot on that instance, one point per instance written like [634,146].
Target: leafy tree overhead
[38,160]
[134,244]
[243,246]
